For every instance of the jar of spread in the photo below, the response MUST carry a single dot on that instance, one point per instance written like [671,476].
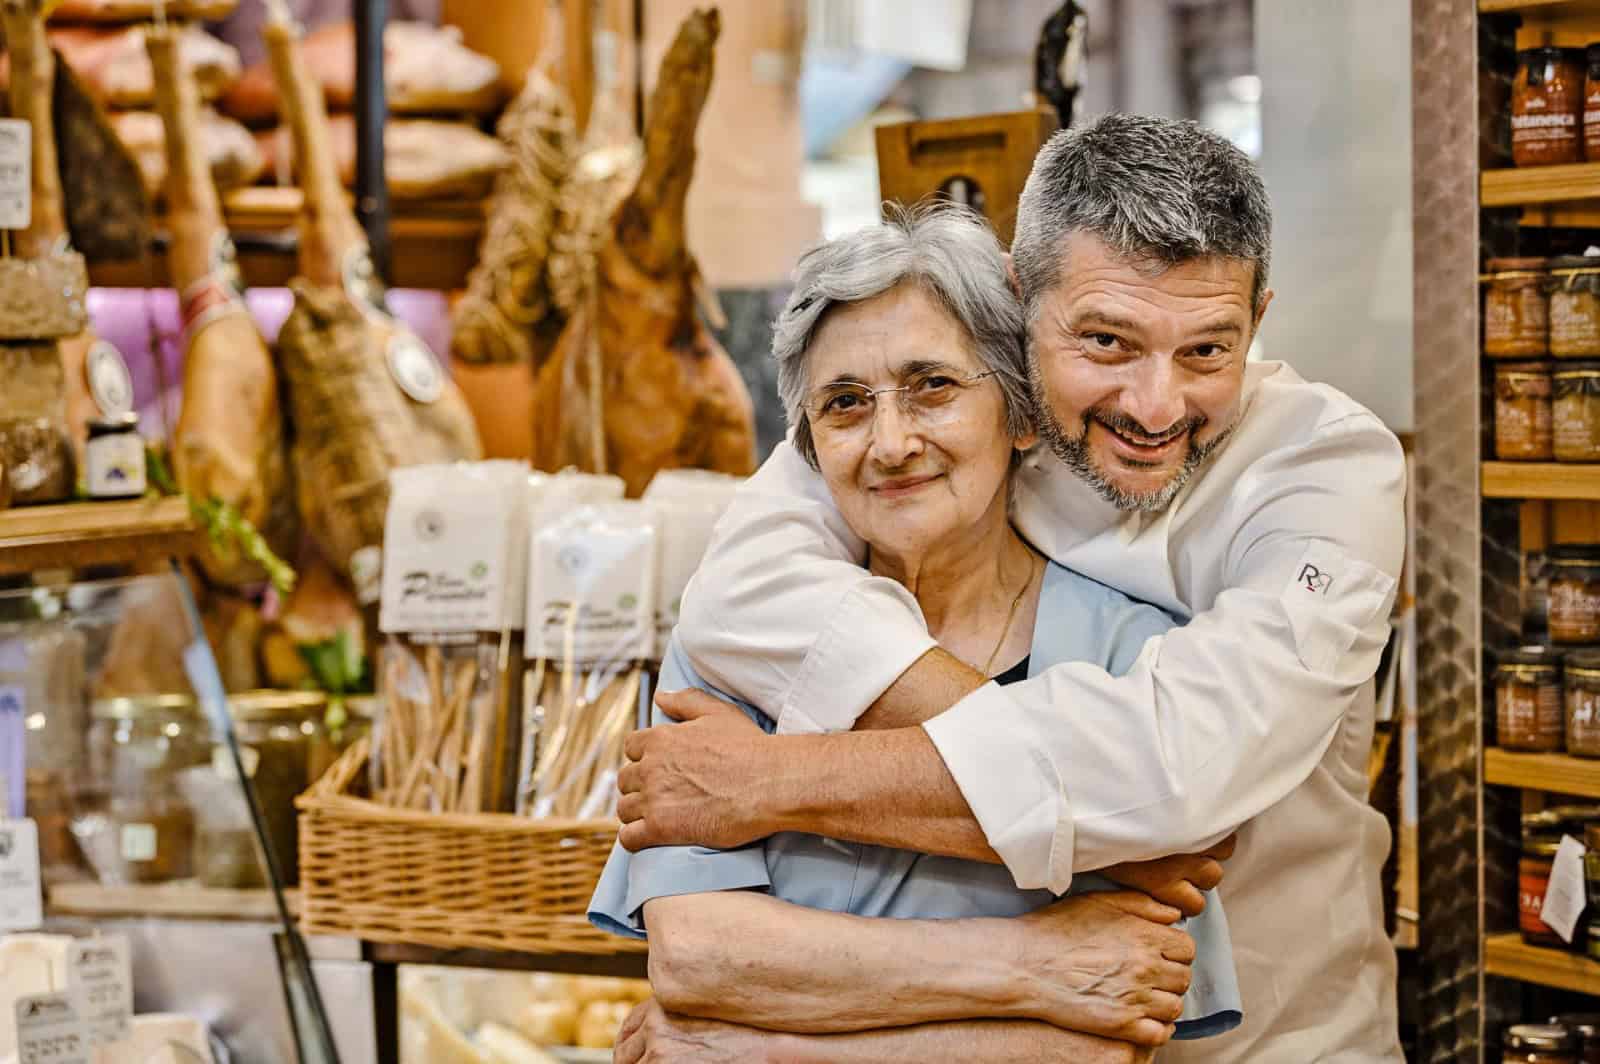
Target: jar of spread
[281,735]
[1575,594]
[133,823]
[1533,883]
[114,457]
[1575,306]
[1528,700]
[1547,106]
[1523,414]
[1582,683]
[1575,412]
[1586,1025]
[1516,309]
[1591,104]
[1539,1043]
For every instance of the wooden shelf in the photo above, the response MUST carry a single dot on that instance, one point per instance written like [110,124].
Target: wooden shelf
[1502,7]
[78,534]
[1560,773]
[628,964]
[1508,956]
[184,901]
[1520,186]
[435,243]
[1541,480]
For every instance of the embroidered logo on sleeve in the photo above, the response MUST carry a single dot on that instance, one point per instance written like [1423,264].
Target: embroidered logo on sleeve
[1314,579]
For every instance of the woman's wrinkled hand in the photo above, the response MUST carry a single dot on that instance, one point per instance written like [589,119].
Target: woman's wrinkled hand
[651,1035]
[1180,880]
[695,783]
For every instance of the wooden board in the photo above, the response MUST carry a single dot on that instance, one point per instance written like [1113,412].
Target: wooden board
[74,535]
[1541,480]
[1559,773]
[1581,214]
[1493,7]
[176,900]
[1519,186]
[1508,956]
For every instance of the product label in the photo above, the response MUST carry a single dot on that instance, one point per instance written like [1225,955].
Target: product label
[16,173]
[1523,428]
[1530,717]
[414,367]
[100,973]
[1574,323]
[222,762]
[1577,429]
[1583,722]
[50,1030]
[21,893]
[1564,897]
[592,586]
[138,843]
[116,465]
[1574,606]
[1516,318]
[110,383]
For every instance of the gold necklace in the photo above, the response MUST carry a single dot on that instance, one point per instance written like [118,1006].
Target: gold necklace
[1011,616]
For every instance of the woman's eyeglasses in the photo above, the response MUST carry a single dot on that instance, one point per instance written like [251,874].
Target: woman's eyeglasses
[929,398]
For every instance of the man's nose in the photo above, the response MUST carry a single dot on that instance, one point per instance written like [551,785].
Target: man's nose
[1154,396]
[895,437]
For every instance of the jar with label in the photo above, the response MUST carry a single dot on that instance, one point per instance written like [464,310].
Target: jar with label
[1575,306]
[114,458]
[1575,412]
[1528,699]
[1575,594]
[1533,883]
[1586,1025]
[1582,681]
[132,822]
[1523,426]
[1539,1043]
[1547,106]
[1516,309]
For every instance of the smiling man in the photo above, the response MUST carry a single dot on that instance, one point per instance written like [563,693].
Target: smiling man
[1265,511]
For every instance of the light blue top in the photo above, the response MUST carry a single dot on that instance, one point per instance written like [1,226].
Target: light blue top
[1078,620]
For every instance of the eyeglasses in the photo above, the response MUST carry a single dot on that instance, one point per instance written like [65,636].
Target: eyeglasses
[929,398]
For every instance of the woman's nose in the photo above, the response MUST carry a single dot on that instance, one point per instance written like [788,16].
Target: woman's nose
[895,437]
[1154,396]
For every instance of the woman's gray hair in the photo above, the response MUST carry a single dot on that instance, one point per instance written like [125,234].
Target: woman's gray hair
[1155,190]
[953,254]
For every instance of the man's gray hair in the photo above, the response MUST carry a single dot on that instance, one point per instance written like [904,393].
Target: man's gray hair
[953,254]
[1156,190]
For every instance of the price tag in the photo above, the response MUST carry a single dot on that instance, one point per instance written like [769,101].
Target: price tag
[1564,899]
[101,975]
[139,843]
[50,1030]
[21,897]
[16,173]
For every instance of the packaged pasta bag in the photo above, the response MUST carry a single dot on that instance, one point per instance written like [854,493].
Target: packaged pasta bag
[591,629]
[455,564]
[689,502]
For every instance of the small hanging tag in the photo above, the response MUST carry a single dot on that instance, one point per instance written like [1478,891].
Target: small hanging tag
[101,974]
[16,173]
[110,383]
[50,1030]
[21,894]
[414,367]
[1564,899]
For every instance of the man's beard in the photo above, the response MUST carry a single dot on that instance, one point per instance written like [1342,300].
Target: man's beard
[1075,452]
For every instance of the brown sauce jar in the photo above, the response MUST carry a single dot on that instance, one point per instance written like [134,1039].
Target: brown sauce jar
[1575,412]
[1581,679]
[1591,104]
[1586,1025]
[1516,309]
[1575,594]
[1547,107]
[1528,699]
[1523,414]
[1575,306]
[1539,1043]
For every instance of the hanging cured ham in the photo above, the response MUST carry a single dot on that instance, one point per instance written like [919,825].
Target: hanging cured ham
[637,383]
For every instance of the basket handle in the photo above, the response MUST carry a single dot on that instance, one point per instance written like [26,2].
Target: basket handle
[341,774]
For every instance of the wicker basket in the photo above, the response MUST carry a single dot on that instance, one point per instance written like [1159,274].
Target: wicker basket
[453,881]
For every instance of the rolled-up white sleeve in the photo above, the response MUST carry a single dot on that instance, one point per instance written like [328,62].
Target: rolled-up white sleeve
[1076,770]
[782,612]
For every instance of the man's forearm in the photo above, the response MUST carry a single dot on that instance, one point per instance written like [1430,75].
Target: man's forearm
[936,682]
[1014,1041]
[753,959]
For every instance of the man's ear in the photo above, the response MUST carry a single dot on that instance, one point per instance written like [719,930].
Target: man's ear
[1261,311]
[1011,272]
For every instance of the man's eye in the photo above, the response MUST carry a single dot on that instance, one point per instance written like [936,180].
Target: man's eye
[1209,351]
[1104,341]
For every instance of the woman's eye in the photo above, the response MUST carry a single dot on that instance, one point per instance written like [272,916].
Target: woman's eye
[843,403]
[935,384]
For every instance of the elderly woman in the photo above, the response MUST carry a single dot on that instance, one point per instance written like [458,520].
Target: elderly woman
[902,370]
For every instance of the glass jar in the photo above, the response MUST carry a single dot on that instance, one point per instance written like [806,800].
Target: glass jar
[114,458]
[1533,882]
[1539,1043]
[280,736]
[1575,306]
[1547,106]
[1523,425]
[132,821]
[1516,309]
[1528,710]
[1582,702]
[1575,412]
[1586,1025]
[1574,594]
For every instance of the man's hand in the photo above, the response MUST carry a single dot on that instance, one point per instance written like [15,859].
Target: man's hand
[651,1035]
[1108,964]
[1179,880]
[693,783]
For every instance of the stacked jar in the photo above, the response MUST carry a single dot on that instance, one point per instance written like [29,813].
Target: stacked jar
[1516,328]
[1548,109]
[1541,839]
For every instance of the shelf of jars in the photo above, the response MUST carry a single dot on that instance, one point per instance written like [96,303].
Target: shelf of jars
[73,535]
[1521,186]
[1558,773]
[1510,957]
[1541,480]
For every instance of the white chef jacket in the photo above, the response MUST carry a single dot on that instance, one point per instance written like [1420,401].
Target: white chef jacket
[1283,554]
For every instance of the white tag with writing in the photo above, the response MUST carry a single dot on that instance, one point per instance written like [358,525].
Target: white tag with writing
[139,843]
[21,897]
[101,974]
[51,1031]
[1564,900]
[16,173]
